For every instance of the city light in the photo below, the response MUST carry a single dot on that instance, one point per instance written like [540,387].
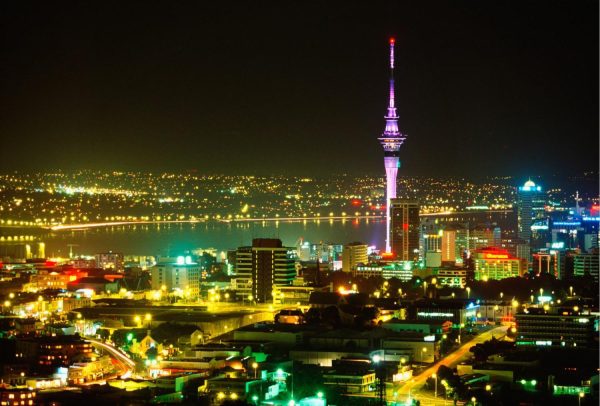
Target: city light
[204,202]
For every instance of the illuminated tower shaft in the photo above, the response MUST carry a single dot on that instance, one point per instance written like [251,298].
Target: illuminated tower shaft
[391,140]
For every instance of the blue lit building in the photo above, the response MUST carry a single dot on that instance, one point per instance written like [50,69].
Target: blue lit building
[529,205]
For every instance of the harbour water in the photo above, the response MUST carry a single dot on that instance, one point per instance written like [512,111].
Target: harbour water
[171,239]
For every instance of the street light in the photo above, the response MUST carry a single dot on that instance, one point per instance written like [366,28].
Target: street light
[474,400]
[468,292]
[581,396]
[434,376]
[255,366]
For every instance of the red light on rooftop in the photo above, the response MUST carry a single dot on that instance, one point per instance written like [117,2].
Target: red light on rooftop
[387,255]
[392,40]
[356,202]
[50,263]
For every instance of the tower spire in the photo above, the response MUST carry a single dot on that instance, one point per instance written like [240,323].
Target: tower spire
[392,103]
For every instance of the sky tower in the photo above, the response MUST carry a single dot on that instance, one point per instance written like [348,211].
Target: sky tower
[391,140]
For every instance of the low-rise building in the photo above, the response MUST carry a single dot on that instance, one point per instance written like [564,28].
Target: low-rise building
[14,397]
[53,351]
[179,274]
[542,328]
[350,380]
[89,370]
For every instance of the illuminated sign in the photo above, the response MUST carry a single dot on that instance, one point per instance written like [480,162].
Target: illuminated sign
[181,260]
[539,227]
[429,338]
[586,218]
[567,223]
[496,256]
[434,314]
[558,245]
[543,343]
[544,299]
[583,320]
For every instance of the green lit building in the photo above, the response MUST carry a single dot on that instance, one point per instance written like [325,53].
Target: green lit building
[540,328]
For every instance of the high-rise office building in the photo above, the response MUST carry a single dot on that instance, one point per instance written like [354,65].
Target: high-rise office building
[391,140]
[449,246]
[528,199]
[404,230]
[261,267]
[586,264]
[353,254]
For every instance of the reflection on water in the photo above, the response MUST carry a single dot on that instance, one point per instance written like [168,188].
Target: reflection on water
[169,239]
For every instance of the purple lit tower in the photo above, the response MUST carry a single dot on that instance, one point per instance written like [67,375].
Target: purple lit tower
[391,140]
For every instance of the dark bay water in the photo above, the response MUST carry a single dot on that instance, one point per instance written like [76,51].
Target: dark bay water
[160,239]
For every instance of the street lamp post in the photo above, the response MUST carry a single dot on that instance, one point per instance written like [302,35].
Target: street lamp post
[581,396]
[255,366]
[468,292]
[435,391]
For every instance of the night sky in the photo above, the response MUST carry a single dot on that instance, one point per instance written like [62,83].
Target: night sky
[294,87]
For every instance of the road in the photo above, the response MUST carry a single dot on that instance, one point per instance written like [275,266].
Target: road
[60,227]
[412,387]
[127,362]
